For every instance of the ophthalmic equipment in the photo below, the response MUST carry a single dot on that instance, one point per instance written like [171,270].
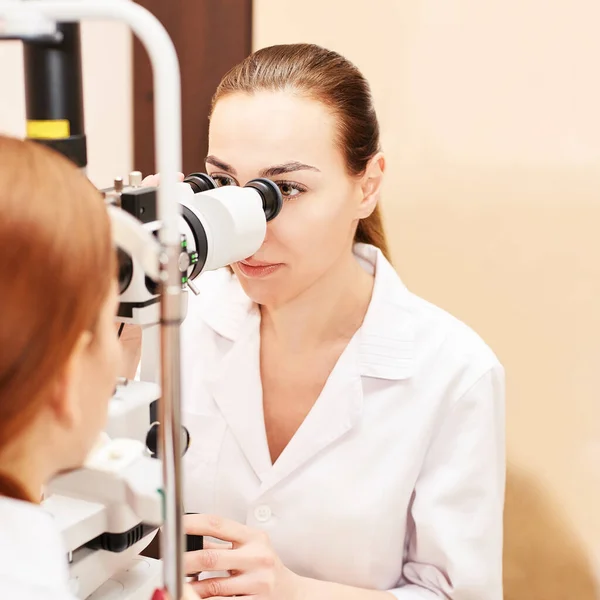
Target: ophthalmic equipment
[166,237]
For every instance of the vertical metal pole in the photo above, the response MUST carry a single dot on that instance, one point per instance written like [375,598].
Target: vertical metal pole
[170,416]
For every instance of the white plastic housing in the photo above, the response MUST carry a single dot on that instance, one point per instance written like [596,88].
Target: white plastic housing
[234,223]
[129,410]
[121,477]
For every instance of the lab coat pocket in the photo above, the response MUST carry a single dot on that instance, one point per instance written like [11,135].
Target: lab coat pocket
[201,461]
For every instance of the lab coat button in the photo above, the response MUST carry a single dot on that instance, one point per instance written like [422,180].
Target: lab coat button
[262,513]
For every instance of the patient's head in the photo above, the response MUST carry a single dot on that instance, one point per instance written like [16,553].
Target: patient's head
[58,344]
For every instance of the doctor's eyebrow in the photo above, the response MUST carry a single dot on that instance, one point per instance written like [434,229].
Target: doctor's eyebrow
[288,167]
[213,160]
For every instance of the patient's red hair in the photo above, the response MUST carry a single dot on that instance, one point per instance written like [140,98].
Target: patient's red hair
[56,268]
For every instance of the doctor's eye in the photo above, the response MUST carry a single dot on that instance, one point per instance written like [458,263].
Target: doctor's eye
[223,180]
[290,189]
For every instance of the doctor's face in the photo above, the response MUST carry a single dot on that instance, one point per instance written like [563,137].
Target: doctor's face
[291,140]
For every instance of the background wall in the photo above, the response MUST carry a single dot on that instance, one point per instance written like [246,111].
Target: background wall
[107,82]
[490,121]
[210,37]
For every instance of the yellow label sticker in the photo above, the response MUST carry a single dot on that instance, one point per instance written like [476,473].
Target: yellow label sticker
[48,130]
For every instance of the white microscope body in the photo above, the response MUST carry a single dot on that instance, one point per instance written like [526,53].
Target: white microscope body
[118,490]
[110,509]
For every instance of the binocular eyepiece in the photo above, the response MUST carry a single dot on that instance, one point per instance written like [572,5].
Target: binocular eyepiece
[269,191]
[219,226]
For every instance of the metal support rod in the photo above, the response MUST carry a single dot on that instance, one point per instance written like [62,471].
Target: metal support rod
[54,93]
[167,118]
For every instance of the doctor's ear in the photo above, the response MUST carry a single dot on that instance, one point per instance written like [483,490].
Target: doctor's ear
[65,393]
[371,182]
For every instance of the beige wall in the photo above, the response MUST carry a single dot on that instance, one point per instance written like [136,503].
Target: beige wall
[107,81]
[490,115]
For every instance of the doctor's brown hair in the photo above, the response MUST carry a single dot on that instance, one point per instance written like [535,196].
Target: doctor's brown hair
[328,77]
[56,268]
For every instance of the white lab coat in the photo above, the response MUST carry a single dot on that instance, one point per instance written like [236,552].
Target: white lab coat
[33,563]
[395,480]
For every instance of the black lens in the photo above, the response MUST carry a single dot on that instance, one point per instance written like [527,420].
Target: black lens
[152,286]
[200,182]
[200,239]
[152,439]
[125,272]
[271,196]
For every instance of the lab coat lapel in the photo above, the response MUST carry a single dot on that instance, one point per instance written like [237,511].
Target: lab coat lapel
[383,348]
[237,390]
[335,413]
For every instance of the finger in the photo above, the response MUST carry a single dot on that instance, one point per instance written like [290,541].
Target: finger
[189,593]
[217,545]
[150,181]
[242,586]
[218,560]
[218,527]
[154,180]
[253,597]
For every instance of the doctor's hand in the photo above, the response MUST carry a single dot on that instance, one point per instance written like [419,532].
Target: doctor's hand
[256,571]
[188,594]
[154,180]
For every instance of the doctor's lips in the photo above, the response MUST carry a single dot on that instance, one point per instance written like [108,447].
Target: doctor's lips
[254,269]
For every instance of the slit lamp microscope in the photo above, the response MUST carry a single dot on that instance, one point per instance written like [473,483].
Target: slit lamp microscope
[131,485]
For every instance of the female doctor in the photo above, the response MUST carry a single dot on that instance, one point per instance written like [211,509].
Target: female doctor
[347,436]
[59,352]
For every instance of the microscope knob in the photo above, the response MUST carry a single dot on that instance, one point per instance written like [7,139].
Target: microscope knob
[152,439]
[135,178]
[187,264]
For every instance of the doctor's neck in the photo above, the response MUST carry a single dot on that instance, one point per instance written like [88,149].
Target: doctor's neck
[330,310]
